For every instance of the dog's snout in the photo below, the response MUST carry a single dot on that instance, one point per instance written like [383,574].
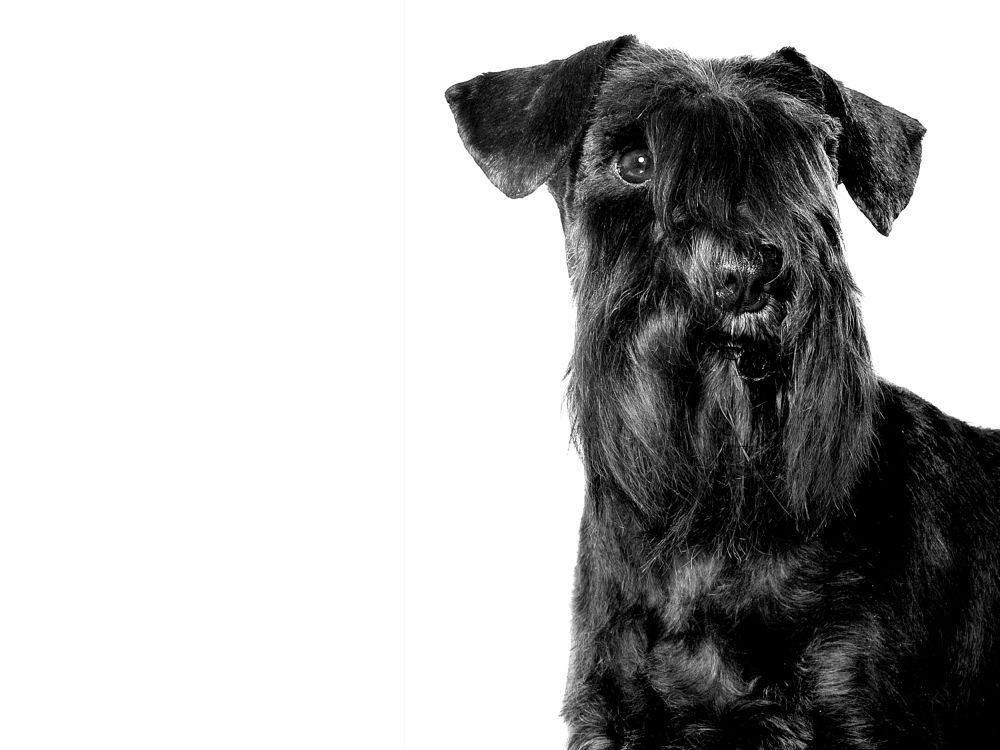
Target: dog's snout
[743,281]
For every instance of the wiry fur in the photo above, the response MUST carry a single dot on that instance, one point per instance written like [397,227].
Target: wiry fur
[778,549]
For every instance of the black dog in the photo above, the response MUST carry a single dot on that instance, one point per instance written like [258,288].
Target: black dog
[778,549]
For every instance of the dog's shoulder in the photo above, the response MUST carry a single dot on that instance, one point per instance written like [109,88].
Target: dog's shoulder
[937,445]
[906,408]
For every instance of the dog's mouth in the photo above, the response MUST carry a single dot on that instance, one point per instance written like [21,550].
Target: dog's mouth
[755,360]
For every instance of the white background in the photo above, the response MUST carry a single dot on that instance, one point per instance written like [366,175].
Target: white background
[201,345]
[200,375]
[494,491]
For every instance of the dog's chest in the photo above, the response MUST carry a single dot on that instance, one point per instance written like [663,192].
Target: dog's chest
[716,626]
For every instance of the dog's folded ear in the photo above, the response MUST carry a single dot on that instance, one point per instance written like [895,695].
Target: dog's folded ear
[879,152]
[520,125]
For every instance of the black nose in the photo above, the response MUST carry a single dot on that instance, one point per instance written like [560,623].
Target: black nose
[743,282]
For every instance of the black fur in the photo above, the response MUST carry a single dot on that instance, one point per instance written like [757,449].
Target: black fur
[778,549]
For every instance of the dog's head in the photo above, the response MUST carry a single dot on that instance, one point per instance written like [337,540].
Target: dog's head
[719,347]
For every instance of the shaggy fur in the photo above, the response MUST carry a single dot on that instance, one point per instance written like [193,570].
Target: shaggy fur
[778,549]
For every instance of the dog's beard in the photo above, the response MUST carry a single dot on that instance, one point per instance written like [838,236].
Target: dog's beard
[712,441]
[678,430]
[830,402]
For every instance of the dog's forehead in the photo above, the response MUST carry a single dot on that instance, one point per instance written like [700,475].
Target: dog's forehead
[642,80]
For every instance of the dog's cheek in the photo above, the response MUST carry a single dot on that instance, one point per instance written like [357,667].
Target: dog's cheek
[616,225]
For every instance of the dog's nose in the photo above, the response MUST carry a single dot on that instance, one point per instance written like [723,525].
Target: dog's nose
[743,282]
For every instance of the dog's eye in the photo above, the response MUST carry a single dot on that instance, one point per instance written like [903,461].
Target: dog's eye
[635,166]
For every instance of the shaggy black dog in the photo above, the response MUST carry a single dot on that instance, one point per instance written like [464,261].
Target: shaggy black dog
[778,549]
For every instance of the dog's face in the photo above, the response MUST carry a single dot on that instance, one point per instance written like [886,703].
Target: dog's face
[707,189]
[719,348]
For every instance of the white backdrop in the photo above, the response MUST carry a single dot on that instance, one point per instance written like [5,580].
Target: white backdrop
[494,490]
[200,375]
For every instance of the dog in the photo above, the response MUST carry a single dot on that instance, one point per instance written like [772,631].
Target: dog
[778,548]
